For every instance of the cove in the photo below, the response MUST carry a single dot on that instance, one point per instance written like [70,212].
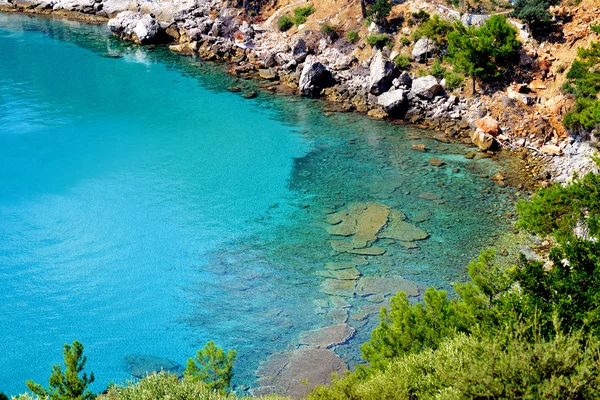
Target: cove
[144,209]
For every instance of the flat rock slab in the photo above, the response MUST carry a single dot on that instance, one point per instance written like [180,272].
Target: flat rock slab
[430,196]
[336,287]
[140,365]
[286,373]
[346,227]
[330,336]
[339,302]
[403,231]
[344,274]
[369,222]
[338,315]
[333,266]
[370,251]
[379,285]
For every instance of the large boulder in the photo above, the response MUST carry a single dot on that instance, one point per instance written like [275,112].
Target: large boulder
[381,75]
[299,50]
[488,125]
[427,87]
[135,27]
[313,77]
[423,49]
[482,140]
[392,100]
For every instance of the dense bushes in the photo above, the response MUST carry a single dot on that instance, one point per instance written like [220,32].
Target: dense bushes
[164,385]
[584,84]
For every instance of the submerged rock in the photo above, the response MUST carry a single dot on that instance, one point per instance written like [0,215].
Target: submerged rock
[337,287]
[135,27]
[379,285]
[287,373]
[327,337]
[398,229]
[140,365]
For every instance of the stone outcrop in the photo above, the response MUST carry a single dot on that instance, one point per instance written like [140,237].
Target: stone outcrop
[381,74]
[427,87]
[423,49]
[135,27]
[392,101]
[313,77]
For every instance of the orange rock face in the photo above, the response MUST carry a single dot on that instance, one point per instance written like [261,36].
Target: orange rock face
[489,125]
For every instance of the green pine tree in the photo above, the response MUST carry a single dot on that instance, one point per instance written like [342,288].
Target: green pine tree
[485,52]
[68,385]
[212,366]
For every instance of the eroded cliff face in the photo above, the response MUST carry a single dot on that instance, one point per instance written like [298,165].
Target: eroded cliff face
[523,116]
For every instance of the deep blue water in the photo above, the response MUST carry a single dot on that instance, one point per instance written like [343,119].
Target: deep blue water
[145,209]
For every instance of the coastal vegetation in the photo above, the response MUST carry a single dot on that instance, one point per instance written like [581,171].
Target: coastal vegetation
[584,83]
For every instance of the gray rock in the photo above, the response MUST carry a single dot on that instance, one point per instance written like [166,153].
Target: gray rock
[381,75]
[135,27]
[405,79]
[474,19]
[312,76]
[423,49]
[299,50]
[427,87]
[392,100]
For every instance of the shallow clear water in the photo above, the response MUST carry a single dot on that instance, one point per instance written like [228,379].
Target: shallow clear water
[144,209]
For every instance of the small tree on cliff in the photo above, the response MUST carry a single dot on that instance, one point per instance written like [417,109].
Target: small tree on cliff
[68,385]
[484,53]
[212,366]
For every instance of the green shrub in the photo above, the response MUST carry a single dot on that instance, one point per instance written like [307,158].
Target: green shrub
[405,41]
[379,10]
[595,29]
[453,80]
[329,31]
[298,20]
[420,17]
[402,61]
[378,40]
[435,29]
[352,36]
[284,23]
[303,11]
[437,70]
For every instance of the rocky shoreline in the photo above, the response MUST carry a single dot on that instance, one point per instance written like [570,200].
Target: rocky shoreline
[311,63]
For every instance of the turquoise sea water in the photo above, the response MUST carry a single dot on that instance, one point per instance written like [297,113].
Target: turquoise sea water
[144,209]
